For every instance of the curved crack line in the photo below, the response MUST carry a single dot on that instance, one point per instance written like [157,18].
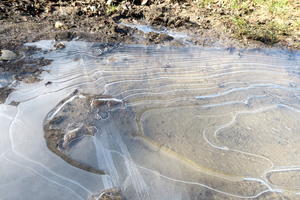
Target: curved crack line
[44,177]
[179,77]
[108,84]
[37,163]
[267,175]
[243,152]
[155,53]
[231,123]
[194,183]
[149,72]
[190,84]
[154,94]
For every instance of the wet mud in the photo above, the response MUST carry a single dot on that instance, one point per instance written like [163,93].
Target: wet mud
[74,118]
[100,21]
[23,68]
[110,194]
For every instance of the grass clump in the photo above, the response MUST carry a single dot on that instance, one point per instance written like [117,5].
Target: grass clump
[111,9]
[267,33]
[268,21]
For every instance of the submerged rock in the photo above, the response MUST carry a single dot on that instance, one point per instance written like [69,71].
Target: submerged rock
[7,55]
[6,79]
[59,45]
[159,37]
[73,119]
[109,194]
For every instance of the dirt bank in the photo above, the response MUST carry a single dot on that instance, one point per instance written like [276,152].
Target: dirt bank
[210,22]
[245,24]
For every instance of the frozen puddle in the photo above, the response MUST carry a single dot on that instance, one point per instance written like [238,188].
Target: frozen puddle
[166,123]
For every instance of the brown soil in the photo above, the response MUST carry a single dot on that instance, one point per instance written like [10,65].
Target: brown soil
[98,20]
[4,92]
[24,21]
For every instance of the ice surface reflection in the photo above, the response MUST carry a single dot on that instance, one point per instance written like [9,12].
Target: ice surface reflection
[156,123]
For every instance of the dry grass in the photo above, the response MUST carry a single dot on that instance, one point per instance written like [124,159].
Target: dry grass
[268,21]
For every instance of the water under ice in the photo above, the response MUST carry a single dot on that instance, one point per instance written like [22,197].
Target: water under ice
[174,123]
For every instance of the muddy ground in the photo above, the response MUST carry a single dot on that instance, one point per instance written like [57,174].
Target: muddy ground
[205,22]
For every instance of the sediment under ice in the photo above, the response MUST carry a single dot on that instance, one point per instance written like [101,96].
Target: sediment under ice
[155,122]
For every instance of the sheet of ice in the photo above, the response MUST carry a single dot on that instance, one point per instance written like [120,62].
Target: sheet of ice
[200,124]
[148,29]
[5,79]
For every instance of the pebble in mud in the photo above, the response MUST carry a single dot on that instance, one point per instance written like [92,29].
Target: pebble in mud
[109,194]
[58,25]
[159,37]
[7,55]
[59,45]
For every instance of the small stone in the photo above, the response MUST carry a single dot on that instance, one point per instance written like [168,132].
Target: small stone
[109,2]
[109,194]
[293,85]
[24,19]
[58,24]
[93,8]
[144,2]
[48,83]
[7,55]
[59,45]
